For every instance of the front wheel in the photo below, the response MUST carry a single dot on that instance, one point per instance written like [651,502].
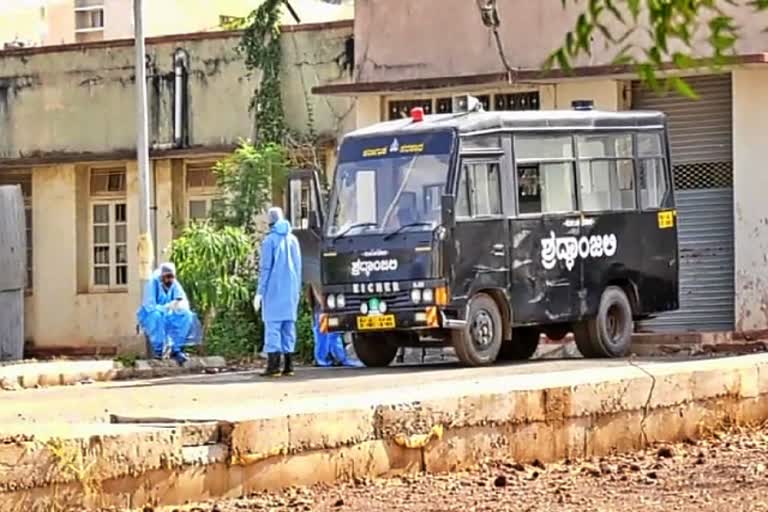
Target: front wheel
[374,350]
[479,342]
[609,334]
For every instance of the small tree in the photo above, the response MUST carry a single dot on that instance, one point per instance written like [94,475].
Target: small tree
[247,178]
[213,265]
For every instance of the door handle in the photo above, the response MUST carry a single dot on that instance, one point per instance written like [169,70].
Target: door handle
[499,250]
[498,247]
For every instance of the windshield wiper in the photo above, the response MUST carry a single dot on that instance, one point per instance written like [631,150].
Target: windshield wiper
[406,226]
[353,226]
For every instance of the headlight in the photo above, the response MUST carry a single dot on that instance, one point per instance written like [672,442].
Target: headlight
[341,301]
[364,308]
[428,296]
[330,301]
[416,295]
[382,307]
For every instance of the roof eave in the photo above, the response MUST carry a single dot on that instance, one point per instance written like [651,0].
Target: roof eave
[523,76]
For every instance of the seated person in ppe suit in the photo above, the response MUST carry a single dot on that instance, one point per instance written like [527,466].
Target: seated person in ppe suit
[279,290]
[329,347]
[165,316]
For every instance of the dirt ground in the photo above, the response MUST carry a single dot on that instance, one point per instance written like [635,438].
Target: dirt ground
[726,471]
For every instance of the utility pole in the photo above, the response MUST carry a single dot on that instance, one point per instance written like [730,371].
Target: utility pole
[145,246]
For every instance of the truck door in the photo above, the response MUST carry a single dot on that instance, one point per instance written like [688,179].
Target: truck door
[546,268]
[306,214]
[481,233]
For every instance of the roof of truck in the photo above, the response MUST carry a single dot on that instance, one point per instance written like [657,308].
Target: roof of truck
[532,120]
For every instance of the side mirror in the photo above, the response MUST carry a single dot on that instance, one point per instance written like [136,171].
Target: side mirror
[447,211]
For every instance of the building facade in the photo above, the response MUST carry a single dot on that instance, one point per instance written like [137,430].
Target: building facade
[716,140]
[52,22]
[67,136]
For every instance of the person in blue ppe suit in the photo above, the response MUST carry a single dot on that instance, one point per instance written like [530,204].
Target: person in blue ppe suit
[329,347]
[165,316]
[279,292]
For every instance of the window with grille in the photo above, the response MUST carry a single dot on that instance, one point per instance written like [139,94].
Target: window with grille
[402,109]
[203,195]
[109,229]
[24,180]
[444,105]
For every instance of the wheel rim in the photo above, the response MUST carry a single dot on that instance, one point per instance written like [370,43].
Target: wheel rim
[615,323]
[482,330]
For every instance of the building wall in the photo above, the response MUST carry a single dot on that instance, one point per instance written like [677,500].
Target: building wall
[402,39]
[91,87]
[64,109]
[750,126]
[162,17]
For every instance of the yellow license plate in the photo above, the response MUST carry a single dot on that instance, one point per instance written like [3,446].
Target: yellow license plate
[370,323]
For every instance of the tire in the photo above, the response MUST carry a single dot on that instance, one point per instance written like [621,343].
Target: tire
[374,350]
[478,343]
[609,334]
[522,346]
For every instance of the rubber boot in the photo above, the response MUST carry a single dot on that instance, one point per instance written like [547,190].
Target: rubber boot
[273,366]
[288,365]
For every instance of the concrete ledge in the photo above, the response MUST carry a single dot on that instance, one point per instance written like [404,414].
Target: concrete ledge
[65,373]
[572,414]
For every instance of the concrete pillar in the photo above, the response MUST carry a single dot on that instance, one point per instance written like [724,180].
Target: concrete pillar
[750,137]
[368,111]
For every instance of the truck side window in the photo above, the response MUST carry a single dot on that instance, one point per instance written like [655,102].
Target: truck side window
[606,172]
[545,179]
[652,172]
[462,195]
[479,193]
[486,188]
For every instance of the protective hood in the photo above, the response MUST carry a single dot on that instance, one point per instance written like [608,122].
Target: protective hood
[282,227]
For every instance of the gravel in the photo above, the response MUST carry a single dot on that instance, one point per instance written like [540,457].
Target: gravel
[724,471]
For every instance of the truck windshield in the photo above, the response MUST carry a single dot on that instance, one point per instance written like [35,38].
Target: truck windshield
[390,183]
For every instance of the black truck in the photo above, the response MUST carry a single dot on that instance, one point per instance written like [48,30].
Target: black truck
[484,230]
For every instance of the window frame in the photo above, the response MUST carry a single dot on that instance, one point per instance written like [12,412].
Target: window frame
[207,194]
[473,160]
[112,245]
[631,158]
[527,162]
[111,199]
[663,157]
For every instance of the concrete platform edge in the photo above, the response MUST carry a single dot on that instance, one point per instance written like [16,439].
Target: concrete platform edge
[167,463]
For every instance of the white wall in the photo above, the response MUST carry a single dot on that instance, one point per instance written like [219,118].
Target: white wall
[750,138]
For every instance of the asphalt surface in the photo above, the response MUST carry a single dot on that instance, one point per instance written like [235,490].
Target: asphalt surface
[246,394]
[724,471]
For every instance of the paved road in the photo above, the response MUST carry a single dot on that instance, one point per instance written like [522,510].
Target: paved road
[238,395]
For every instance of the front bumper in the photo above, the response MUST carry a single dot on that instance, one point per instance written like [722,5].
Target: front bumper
[429,317]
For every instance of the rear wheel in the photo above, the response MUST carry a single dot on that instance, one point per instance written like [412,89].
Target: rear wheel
[479,342]
[609,334]
[522,346]
[374,350]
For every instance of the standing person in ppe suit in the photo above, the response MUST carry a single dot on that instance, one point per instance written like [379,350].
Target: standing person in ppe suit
[165,316]
[279,292]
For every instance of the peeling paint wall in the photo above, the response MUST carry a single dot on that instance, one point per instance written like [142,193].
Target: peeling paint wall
[403,39]
[82,101]
[750,134]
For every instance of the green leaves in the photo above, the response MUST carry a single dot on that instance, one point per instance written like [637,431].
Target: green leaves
[247,178]
[260,45]
[213,266]
[670,27]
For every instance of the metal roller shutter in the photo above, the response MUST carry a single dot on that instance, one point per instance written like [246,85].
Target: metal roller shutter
[701,140]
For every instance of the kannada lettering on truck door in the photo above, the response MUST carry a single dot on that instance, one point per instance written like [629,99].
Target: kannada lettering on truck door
[483,230]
